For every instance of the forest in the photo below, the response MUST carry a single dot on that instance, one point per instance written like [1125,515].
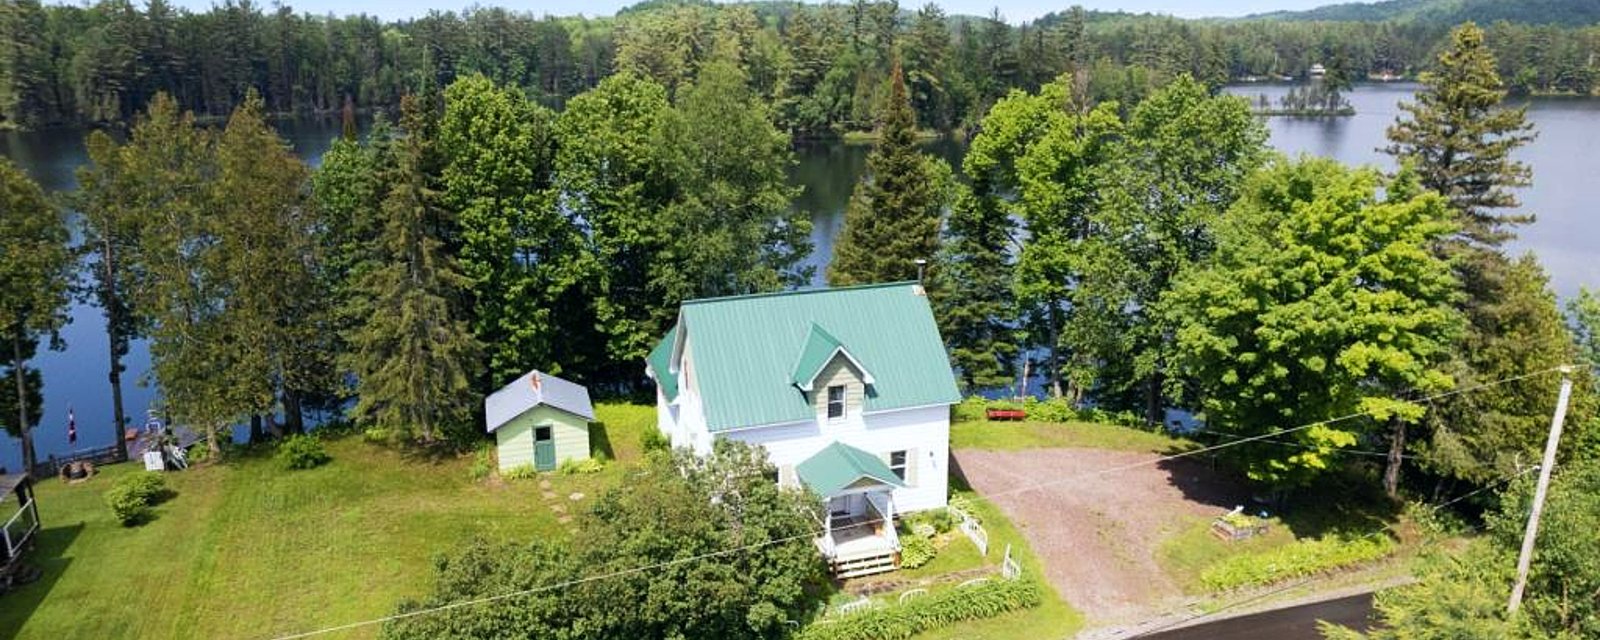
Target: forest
[822,67]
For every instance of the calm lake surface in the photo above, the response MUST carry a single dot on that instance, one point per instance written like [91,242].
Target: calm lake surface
[1566,236]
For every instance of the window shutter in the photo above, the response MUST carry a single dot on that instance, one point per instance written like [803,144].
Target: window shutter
[913,465]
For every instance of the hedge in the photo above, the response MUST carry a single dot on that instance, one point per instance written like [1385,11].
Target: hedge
[974,409]
[1295,560]
[932,611]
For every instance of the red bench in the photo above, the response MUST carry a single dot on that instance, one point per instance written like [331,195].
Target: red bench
[1005,414]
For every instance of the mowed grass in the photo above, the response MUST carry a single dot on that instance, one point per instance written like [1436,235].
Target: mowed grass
[248,550]
[1000,435]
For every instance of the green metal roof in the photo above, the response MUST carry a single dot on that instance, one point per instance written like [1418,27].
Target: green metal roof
[747,350]
[838,465]
[660,360]
[819,350]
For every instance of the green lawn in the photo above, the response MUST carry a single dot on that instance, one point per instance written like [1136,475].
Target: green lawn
[248,550]
[1006,435]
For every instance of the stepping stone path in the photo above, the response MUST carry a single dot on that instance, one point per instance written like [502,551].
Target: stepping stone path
[575,497]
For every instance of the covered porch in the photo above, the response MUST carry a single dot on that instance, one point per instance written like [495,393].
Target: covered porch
[858,536]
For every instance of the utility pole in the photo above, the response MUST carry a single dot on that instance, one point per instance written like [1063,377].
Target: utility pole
[1549,465]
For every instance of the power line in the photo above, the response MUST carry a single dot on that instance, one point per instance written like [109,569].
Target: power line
[1310,447]
[1255,438]
[988,498]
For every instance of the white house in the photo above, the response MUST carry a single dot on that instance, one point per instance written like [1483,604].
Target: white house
[848,389]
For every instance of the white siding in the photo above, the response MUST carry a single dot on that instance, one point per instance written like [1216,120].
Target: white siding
[924,432]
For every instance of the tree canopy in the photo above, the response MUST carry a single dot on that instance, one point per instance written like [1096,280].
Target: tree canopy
[1323,301]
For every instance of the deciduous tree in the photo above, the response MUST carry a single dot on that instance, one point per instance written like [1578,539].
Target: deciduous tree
[109,237]
[520,254]
[1322,300]
[35,279]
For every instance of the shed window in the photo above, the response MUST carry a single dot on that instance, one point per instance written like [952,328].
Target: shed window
[897,463]
[835,402]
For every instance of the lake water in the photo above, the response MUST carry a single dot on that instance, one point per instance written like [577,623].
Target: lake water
[1566,236]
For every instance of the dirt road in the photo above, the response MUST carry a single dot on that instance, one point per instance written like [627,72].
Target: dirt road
[1098,527]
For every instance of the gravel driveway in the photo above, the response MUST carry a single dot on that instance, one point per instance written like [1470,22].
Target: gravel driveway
[1099,533]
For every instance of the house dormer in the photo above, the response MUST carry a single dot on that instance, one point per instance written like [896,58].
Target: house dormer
[833,379]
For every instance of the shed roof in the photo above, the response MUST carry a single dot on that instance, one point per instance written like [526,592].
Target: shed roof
[749,350]
[838,465]
[531,390]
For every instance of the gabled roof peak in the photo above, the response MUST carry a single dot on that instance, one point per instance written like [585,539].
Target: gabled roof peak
[530,390]
[819,349]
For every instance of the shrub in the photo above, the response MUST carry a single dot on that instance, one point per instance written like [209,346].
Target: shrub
[132,496]
[964,505]
[916,551]
[939,609]
[520,472]
[939,519]
[302,451]
[1051,410]
[654,440]
[588,465]
[1296,560]
[482,463]
[970,409]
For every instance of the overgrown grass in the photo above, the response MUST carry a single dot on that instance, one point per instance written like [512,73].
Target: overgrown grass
[1342,523]
[248,550]
[1005,436]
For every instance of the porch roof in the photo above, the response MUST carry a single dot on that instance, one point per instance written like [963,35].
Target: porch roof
[838,466]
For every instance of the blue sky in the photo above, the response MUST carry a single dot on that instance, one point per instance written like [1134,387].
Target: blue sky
[1013,10]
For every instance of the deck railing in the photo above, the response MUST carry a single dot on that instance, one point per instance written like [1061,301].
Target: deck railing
[19,528]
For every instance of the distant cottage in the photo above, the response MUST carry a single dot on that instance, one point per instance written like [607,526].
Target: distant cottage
[848,389]
[539,420]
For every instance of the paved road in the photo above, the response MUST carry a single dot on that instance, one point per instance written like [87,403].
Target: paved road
[1295,623]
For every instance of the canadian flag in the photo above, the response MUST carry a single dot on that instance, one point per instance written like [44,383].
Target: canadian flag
[72,427]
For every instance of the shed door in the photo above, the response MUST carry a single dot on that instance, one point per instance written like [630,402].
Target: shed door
[544,448]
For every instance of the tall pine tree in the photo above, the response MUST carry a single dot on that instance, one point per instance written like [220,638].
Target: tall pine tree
[893,217]
[1461,139]
[415,358]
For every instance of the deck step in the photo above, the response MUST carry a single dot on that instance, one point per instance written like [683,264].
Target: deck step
[866,565]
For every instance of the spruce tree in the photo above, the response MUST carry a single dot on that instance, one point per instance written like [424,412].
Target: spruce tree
[893,216]
[415,357]
[1461,139]
[973,297]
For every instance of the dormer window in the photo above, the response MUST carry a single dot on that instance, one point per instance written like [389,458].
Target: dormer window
[836,402]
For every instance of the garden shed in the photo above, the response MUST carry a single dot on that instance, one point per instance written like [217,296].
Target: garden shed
[539,420]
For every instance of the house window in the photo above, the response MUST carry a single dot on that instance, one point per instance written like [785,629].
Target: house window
[897,464]
[835,402]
